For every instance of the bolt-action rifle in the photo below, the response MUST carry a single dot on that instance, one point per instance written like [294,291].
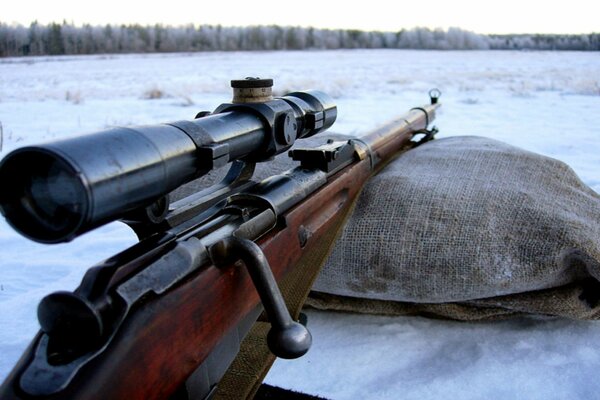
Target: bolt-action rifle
[166,317]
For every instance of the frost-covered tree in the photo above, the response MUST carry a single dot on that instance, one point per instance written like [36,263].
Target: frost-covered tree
[67,38]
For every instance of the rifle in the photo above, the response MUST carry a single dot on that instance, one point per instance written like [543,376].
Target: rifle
[166,317]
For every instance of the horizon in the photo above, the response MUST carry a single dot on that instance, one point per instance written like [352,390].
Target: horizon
[196,24]
[511,17]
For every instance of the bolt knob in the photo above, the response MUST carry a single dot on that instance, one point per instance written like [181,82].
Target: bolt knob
[290,341]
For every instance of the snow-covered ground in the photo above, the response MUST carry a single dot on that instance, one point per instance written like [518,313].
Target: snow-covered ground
[543,101]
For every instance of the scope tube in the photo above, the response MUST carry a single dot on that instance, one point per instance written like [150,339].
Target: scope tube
[54,192]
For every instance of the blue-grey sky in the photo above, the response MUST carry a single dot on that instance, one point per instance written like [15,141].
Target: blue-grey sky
[496,16]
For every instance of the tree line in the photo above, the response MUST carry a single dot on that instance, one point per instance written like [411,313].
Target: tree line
[69,39]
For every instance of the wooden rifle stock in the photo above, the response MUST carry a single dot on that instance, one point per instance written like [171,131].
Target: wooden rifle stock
[166,337]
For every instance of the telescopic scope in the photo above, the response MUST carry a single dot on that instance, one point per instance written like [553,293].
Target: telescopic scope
[54,192]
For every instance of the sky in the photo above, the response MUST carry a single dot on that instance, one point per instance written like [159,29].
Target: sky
[506,16]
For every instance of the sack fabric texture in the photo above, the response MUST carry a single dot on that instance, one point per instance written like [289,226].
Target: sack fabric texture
[468,228]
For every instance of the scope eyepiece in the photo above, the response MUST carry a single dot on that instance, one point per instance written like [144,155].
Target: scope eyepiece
[54,192]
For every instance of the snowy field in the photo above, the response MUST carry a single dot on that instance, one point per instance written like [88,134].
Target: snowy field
[542,101]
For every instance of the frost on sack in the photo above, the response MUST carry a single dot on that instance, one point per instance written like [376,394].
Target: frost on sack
[468,228]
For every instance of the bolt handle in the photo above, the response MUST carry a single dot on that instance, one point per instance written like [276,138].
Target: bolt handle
[286,338]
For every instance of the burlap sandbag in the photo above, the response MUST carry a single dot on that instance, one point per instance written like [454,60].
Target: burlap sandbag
[468,228]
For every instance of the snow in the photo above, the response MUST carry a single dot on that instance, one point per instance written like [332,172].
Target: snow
[546,102]
[369,357]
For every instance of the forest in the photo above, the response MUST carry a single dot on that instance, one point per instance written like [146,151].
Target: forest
[69,39]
